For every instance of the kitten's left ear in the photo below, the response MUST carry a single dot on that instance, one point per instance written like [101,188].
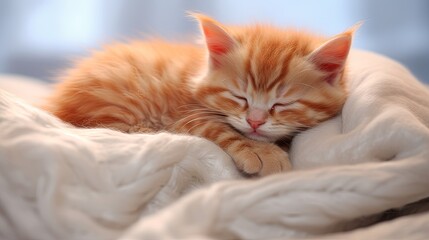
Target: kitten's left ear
[219,42]
[332,55]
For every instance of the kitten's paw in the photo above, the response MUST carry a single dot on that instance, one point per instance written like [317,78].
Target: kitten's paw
[262,159]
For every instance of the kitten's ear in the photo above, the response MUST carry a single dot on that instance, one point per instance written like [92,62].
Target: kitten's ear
[217,39]
[332,55]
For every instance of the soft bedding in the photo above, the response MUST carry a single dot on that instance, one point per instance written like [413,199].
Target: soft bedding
[60,182]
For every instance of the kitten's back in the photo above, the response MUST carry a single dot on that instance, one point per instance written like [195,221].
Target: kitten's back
[106,89]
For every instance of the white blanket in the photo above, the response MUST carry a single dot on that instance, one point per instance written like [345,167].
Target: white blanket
[60,182]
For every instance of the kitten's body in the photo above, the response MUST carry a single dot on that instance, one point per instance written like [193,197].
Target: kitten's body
[130,85]
[253,86]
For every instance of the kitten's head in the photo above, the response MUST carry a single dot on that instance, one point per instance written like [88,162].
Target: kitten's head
[270,82]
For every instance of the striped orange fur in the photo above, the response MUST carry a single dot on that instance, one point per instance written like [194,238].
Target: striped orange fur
[247,88]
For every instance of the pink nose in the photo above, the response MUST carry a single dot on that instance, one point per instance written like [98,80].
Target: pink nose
[255,123]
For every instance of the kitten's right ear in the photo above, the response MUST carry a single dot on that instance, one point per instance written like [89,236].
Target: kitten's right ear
[217,39]
[332,55]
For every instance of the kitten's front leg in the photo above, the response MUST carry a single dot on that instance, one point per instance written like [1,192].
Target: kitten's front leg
[251,157]
[260,158]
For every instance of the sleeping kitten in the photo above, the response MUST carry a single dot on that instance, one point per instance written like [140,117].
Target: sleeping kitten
[247,88]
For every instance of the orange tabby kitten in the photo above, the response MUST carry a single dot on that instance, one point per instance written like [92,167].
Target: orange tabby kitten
[247,88]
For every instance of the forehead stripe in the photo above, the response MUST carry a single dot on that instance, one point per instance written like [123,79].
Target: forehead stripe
[284,71]
[249,70]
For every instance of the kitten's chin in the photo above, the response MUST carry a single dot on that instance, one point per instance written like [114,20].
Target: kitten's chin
[258,137]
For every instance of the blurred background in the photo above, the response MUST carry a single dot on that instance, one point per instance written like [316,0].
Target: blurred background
[38,38]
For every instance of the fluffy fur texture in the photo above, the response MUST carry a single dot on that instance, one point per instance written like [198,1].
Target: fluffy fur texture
[247,88]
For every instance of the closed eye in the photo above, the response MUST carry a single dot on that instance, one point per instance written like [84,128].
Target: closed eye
[277,105]
[243,99]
